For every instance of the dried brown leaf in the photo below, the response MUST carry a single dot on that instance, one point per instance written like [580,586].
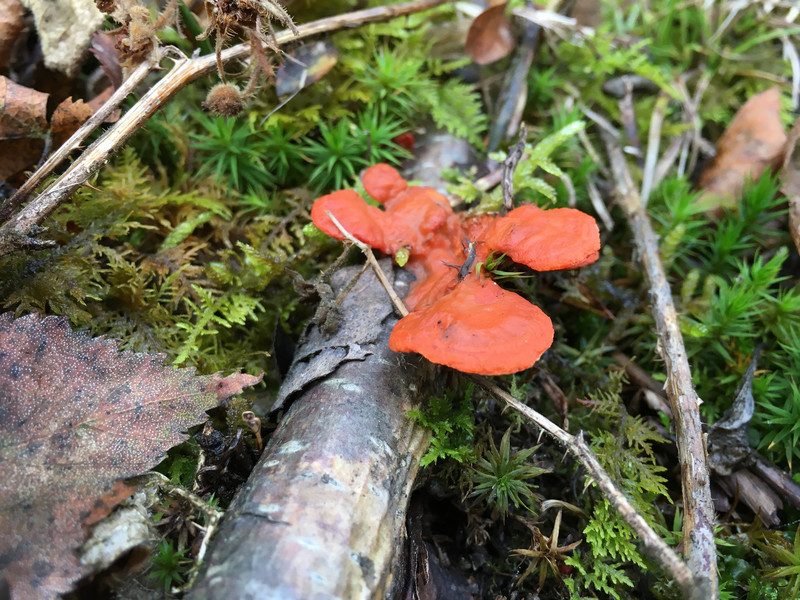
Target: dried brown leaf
[23,126]
[67,117]
[11,23]
[105,51]
[790,182]
[76,416]
[490,38]
[753,142]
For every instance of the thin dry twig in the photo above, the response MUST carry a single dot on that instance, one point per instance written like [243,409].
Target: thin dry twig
[599,206]
[656,548]
[694,142]
[653,143]
[77,138]
[22,229]
[396,301]
[510,165]
[699,519]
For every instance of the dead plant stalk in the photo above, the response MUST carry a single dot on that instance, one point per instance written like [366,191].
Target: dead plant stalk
[699,517]
[22,230]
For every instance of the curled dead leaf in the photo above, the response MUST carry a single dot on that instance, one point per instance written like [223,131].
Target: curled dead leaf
[753,142]
[23,126]
[490,37]
[68,116]
[790,182]
[11,24]
[105,51]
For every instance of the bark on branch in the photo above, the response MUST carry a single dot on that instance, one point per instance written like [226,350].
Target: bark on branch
[323,513]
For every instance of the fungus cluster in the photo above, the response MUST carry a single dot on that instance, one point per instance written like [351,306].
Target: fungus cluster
[459,316]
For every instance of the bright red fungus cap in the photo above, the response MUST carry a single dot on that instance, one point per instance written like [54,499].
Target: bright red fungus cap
[364,222]
[545,240]
[457,318]
[477,328]
[383,182]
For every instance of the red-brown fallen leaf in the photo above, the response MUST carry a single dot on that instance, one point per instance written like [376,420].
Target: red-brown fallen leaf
[753,142]
[790,182]
[105,51]
[101,98]
[76,416]
[489,37]
[11,24]
[23,126]
[67,117]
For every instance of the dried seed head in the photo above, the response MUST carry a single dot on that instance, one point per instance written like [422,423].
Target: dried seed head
[106,6]
[224,100]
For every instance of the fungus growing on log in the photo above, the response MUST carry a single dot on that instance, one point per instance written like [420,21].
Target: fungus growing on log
[383,182]
[460,317]
[545,240]
[478,327]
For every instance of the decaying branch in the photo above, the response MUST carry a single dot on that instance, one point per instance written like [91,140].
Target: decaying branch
[323,513]
[699,517]
[22,230]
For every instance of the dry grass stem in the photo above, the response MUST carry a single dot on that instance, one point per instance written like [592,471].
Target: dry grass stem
[396,301]
[699,519]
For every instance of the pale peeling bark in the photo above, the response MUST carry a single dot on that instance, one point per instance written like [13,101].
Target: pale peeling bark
[323,513]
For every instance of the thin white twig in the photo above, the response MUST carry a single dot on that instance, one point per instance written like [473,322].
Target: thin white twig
[652,544]
[396,301]
[653,143]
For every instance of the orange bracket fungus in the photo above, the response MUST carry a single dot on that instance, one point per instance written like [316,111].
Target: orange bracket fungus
[460,317]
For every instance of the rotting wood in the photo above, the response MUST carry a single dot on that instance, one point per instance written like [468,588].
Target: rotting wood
[323,513]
